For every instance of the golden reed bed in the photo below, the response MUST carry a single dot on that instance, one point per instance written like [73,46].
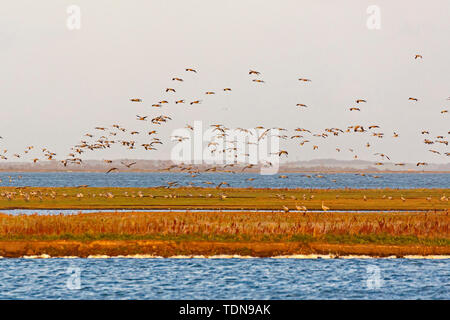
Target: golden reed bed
[212,233]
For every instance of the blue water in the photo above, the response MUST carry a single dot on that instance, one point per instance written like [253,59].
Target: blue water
[53,212]
[294,180]
[261,278]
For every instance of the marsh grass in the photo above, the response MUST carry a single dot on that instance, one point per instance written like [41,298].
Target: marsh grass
[387,228]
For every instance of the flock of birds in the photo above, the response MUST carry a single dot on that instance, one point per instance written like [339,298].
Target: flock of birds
[28,195]
[107,136]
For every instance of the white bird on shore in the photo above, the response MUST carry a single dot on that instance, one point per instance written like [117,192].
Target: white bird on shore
[300,208]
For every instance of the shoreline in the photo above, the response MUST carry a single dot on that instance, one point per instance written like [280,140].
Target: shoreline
[298,257]
[324,171]
[169,248]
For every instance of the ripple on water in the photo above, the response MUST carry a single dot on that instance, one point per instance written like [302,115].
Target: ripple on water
[220,278]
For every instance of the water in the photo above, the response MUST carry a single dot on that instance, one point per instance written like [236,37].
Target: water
[260,278]
[237,180]
[52,212]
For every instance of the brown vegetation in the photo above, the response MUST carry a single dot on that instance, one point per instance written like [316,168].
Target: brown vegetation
[209,233]
[254,226]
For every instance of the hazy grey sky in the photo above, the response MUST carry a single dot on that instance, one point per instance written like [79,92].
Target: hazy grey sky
[58,84]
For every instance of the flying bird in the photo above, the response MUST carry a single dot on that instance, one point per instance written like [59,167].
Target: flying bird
[421,164]
[128,165]
[112,169]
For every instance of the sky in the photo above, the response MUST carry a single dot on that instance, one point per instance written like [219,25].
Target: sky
[57,84]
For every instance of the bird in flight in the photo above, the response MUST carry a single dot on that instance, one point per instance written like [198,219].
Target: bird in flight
[254,72]
[418,56]
[382,155]
[223,183]
[128,165]
[192,70]
[112,169]
[282,152]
